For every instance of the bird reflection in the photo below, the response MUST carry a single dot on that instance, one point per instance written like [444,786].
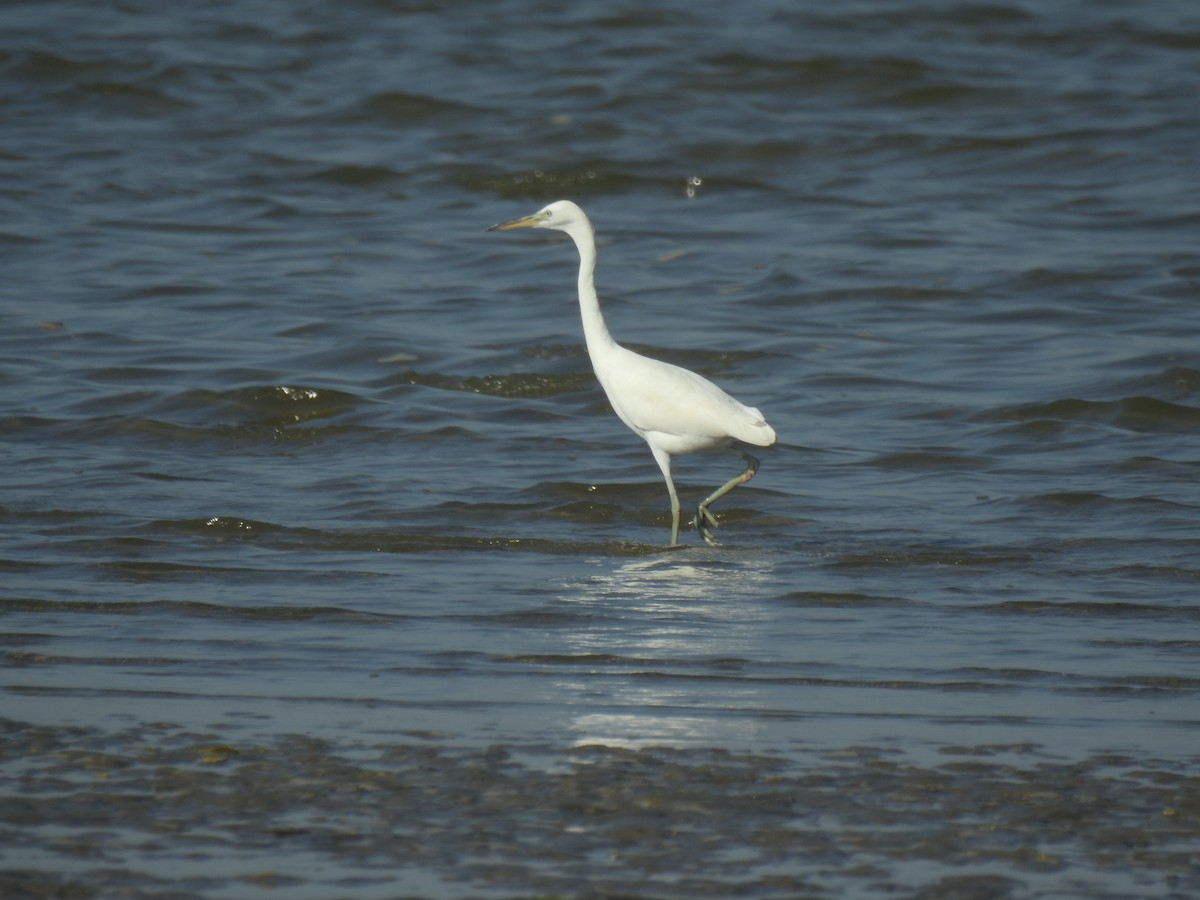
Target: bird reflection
[664,661]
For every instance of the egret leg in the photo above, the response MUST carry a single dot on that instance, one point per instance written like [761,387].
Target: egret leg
[664,462]
[705,520]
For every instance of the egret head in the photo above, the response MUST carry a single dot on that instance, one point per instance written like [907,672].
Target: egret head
[561,215]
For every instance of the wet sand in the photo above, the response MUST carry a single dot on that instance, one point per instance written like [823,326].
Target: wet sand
[144,812]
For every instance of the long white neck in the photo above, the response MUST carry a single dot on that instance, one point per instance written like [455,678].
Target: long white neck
[595,332]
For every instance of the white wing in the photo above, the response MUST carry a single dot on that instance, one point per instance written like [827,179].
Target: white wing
[676,408]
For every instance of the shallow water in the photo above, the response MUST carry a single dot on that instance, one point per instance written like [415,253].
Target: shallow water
[327,571]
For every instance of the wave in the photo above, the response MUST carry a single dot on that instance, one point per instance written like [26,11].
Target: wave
[1136,414]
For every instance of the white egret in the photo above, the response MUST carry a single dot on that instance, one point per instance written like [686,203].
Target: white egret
[674,410]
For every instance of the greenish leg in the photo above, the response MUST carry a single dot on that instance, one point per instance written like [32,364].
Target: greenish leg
[674,518]
[664,463]
[705,520]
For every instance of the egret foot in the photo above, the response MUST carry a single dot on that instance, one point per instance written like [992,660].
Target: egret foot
[705,520]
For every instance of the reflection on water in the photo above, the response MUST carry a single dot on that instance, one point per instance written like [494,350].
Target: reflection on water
[721,589]
[683,625]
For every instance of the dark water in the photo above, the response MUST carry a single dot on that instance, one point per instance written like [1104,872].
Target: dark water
[325,570]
